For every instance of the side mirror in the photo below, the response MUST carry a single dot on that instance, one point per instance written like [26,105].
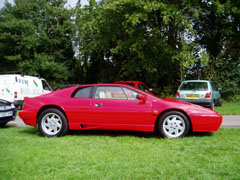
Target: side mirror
[219,89]
[141,97]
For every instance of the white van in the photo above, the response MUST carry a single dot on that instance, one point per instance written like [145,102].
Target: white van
[14,87]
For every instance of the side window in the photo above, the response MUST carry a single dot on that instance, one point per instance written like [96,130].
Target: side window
[46,86]
[83,93]
[143,87]
[108,92]
[131,95]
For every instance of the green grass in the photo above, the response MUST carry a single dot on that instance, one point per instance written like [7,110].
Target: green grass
[229,108]
[118,155]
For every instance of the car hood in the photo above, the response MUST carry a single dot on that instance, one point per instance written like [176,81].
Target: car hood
[175,101]
[3,102]
[189,107]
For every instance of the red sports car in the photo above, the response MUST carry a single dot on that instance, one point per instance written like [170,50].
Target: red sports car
[115,107]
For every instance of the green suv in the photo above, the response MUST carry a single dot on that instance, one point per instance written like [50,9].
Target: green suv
[201,92]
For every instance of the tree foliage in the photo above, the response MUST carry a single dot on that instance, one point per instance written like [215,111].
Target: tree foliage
[35,36]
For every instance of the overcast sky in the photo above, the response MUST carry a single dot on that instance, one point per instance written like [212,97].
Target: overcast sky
[72,3]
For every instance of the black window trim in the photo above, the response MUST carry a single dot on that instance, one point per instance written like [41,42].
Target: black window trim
[127,96]
[76,90]
[49,88]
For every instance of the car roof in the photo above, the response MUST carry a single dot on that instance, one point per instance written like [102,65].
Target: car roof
[22,76]
[105,84]
[197,80]
[129,82]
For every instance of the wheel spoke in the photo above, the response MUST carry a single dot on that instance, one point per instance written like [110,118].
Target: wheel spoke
[46,123]
[171,131]
[55,129]
[180,128]
[176,131]
[174,119]
[58,125]
[169,121]
[50,129]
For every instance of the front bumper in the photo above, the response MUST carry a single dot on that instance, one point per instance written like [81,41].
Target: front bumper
[8,118]
[206,123]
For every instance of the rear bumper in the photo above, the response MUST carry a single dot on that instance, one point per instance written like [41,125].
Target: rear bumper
[201,102]
[28,117]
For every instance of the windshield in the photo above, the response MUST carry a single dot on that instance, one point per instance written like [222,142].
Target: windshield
[198,86]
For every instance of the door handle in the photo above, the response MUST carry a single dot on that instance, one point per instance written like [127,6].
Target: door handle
[98,104]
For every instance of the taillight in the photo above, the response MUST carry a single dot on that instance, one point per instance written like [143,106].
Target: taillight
[15,94]
[177,94]
[208,95]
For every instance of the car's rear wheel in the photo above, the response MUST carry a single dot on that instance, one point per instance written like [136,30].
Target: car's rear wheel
[219,102]
[52,122]
[173,124]
[212,105]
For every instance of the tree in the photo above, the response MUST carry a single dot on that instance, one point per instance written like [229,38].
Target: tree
[36,37]
[217,31]
[142,40]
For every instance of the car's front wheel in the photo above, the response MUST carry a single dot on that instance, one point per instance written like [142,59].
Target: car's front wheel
[52,122]
[173,124]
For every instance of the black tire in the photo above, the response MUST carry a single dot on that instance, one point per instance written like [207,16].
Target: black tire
[219,102]
[52,122]
[170,128]
[212,105]
[2,124]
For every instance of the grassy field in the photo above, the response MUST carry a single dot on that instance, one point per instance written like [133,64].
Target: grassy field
[118,155]
[229,108]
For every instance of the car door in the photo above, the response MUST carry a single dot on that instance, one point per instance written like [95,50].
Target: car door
[116,105]
[78,107]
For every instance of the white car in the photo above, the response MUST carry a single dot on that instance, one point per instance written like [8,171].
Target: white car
[14,87]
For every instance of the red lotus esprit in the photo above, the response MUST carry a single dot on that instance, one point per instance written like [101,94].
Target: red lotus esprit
[115,107]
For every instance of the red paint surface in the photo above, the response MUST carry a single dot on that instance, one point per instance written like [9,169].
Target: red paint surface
[114,114]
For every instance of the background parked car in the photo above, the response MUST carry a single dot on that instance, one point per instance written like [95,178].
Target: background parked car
[14,87]
[201,92]
[137,84]
[7,112]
